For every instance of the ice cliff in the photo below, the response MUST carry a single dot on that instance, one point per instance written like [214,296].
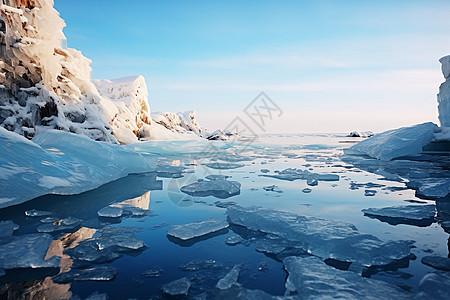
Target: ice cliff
[444,93]
[45,85]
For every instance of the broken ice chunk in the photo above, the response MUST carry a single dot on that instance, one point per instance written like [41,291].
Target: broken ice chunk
[153,273]
[37,213]
[193,230]
[178,287]
[324,238]
[370,193]
[102,273]
[307,190]
[417,215]
[49,220]
[110,212]
[224,166]
[271,246]
[437,262]
[64,224]
[292,174]
[435,286]
[313,279]
[27,251]
[234,240]
[272,188]
[6,230]
[430,188]
[200,265]
[224,204]
[216,185]
[228,280]
[312,181]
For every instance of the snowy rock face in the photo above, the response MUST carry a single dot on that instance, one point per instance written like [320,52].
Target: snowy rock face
[444,93]
[42,84]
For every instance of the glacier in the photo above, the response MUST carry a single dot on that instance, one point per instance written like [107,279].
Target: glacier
[58,162]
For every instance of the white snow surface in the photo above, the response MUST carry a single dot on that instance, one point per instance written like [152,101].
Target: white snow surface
[58,162]
[396,142]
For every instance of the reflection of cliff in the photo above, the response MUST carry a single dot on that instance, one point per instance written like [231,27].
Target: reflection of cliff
[47,289]
[142,202]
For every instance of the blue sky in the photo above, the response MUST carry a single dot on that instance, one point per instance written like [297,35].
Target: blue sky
[332,66]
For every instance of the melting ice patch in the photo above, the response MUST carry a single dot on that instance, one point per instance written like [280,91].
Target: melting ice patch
[215,185]
[57,162]
[194,230]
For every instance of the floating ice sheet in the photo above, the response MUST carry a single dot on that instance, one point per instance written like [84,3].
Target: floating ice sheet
[27,251]
[230,279]
[58,162]
[216,185]
[437,262]
[324,238]
[223,166]
[194,230]
[435,286]
[178,287]
[60,225]
[313,279]
[102,273]
[418,215]
[292,174]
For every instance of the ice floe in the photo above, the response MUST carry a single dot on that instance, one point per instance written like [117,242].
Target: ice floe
[215,185]
[230,279]
[101,273]
[417,215]
[66,224]
[178,287]
[434,285]
[223,166]
[437,262]
[195,230]
[324,238]
[313,279]
[292,174]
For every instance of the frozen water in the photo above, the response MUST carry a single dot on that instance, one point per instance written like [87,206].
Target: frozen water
[324,238]
[6,230]
[435,286]
[223,166]
[168,171]
[271,246]
[312,181]
[193,230]
[272,188]
[370,193]
[216,185]
[431,187]
[27,251]
[57,162]
[110,212]
[102,273]
[153,272]
[62,225]
[224,204]
[230,279]
[234,240]
[313,279]
[417,215]
[307,190]
[292,174]
[37,213]
[200,265]
[437,262]
[396,143]
[178,287]
[49,220]
[106,247]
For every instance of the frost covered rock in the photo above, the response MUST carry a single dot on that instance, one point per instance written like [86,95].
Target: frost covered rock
[396,143]
[324,238]
[42,84]
[57,162]
[230,279]
[27,251]
[182,122]
[313,279]
[215,185]
[178,287]
[193,230]
[130,97]
[418,215]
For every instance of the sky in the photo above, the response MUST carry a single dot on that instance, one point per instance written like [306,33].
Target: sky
[330,66]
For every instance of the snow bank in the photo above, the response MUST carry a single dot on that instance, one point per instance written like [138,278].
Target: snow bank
[58,162]
[396,142]
[444,93]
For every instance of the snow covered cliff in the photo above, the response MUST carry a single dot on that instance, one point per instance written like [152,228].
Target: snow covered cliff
[444,93]
[44,85]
